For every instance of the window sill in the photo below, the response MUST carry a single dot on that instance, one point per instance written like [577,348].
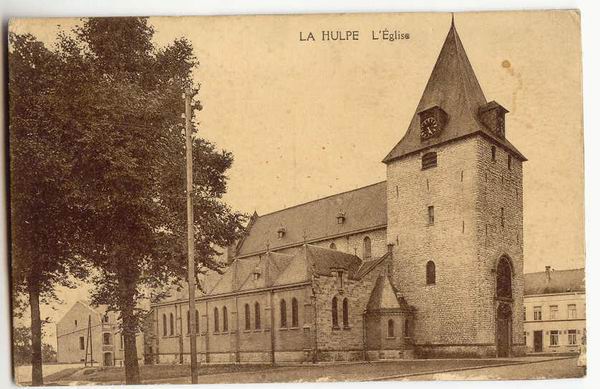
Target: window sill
[335,328]
[347,328]
[294,328]
[283,329]
[390,337]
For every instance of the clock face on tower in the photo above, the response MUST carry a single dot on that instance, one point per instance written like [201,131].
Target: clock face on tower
[429,127]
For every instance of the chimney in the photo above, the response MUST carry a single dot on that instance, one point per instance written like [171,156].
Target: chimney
[548,273]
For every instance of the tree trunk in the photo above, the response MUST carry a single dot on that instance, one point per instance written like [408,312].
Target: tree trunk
[129,322]
[36,336]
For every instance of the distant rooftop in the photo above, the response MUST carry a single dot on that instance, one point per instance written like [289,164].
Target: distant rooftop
[555,281]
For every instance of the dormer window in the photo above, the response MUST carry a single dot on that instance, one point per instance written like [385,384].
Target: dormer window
[256,273]
[341,217]
[281,232]
[492,116]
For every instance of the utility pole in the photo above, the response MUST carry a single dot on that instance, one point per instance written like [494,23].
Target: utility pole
[190,236]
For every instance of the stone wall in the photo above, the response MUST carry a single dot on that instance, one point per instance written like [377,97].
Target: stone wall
[445,311]
[499,188]
[456,314]
[343,343]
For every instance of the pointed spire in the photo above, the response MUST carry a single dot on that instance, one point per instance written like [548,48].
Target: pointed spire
[454,88]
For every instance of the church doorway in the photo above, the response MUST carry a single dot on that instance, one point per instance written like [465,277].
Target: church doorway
[504,307]
[503,327]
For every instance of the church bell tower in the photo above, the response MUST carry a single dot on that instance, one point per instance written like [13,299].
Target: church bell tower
[455,217]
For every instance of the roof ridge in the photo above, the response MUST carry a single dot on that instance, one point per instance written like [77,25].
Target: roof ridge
[555,270]
[321,198]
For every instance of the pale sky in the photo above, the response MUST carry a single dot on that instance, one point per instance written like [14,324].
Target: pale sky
[307,120]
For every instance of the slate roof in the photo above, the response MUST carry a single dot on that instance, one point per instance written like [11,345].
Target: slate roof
[452,86]
[363,208]
[325,260]
[561,281]
[384,296]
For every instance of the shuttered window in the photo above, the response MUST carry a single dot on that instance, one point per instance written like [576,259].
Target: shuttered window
[428,160]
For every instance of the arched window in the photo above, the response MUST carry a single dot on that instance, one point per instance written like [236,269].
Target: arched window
[345,313]
[197,324]
[188,322]
[366,247]
[225,321]
[247,317]
[407,329]
[171,325]
[282,314]
[504,278]
[430,273]
[390,333]
[294,312]
[333,246]
[334,313]
[216,318]
[164,324]
[256,316]
[106,338]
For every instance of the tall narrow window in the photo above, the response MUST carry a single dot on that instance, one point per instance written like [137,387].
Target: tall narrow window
[345,313]
[106,338]
[282,314]
[197,324]
[553,312]
[390,329]
[216,319]
[537,313]
[225,320]
[334,313]
[428,160]
[188,321]
[247,317]
[493,153]
[81,343]
[430,270]
[407,328]
[164,324]
[502,216]
[171,325]
[257,316]
[294,312]
[509,162]
[572,337]
[366,247]
[430,214]
[554,338]
[572,310]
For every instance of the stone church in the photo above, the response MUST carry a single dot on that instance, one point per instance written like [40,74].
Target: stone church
[428,263]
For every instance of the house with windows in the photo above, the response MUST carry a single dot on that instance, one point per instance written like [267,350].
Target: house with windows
[554,310]
[91,335]
[428,263]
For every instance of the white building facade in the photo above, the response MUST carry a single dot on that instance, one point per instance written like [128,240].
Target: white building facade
[554,311]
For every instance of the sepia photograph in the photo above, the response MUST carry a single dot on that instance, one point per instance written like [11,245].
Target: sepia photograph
[296,198]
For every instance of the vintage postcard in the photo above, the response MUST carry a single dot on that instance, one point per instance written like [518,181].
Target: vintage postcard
[297,198]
